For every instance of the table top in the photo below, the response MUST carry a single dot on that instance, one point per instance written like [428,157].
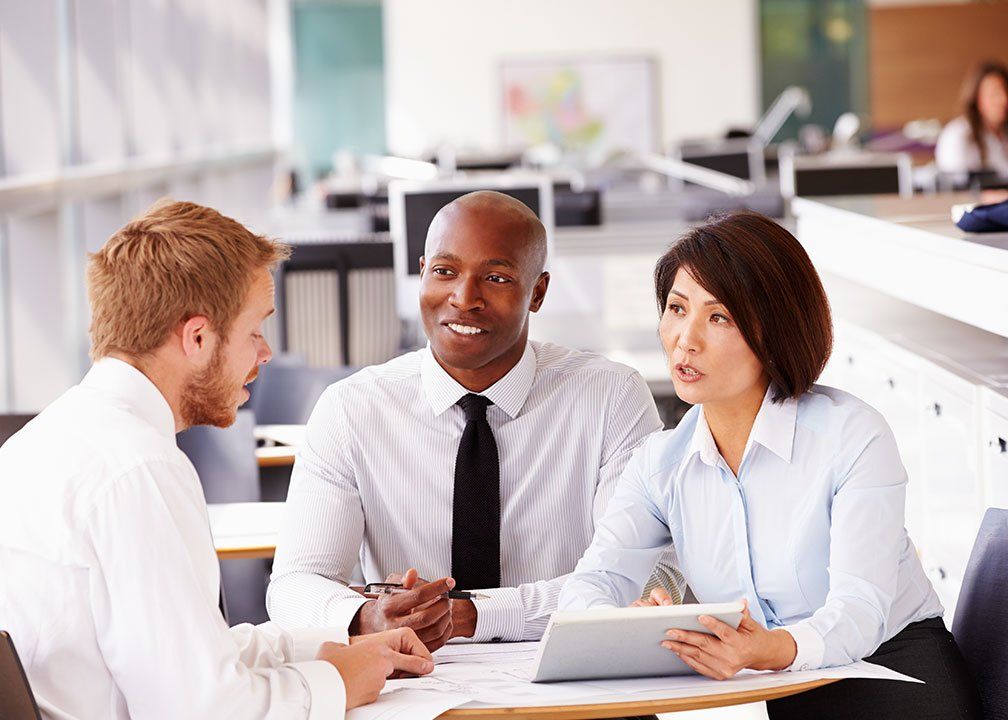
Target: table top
[276,456]
[630,709]
[245,530]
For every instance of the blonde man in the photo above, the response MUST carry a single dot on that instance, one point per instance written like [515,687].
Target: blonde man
[110,578]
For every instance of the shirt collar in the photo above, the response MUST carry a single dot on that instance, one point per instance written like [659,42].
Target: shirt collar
[774,429]
[509,393]
[135,390]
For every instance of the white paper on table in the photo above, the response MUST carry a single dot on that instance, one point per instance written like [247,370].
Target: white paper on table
[509,684]
[407,704]
[689,685]
[514,652]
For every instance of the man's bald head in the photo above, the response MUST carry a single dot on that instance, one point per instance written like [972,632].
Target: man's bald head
[500,213]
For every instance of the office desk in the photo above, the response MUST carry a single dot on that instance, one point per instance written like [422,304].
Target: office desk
[287,438]
[276,456]
[632,709]
[245,530]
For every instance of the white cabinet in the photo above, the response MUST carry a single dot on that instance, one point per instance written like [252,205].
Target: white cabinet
[953,491]
[994,447]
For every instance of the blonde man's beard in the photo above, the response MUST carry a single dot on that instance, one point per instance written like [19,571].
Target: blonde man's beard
[208,398]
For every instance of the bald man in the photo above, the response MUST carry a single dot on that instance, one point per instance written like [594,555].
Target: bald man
[484,456]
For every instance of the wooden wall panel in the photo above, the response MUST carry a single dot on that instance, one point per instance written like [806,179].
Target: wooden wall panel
[919,54]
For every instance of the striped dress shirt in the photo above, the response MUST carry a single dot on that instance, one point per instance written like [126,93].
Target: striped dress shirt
[374,482]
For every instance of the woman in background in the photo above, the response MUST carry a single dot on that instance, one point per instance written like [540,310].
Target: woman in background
[772,489]
[977,140]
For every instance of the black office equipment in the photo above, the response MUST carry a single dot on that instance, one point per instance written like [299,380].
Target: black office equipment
[17,702]
[576,208]
[844,174]
[421,207]
[12,422]
[285,394]
[336,302]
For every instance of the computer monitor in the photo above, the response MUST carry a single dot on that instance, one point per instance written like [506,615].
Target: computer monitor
[413,205]
[740,157]
[845,174]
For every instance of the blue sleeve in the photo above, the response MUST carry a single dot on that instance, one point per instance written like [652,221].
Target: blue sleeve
[627,542]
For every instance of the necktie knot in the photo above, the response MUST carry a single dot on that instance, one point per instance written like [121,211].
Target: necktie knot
[474,405]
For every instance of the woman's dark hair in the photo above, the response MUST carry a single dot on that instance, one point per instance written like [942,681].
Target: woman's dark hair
[968,101]
[763,276]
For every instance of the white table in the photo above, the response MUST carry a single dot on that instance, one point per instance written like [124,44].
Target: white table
[245,530]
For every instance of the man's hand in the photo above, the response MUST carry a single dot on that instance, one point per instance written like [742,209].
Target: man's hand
[365,665]
[729,650]
[421,608]
[463,618]
[658,596]
[463,612]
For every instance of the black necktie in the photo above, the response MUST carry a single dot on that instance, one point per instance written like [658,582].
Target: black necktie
[476,507]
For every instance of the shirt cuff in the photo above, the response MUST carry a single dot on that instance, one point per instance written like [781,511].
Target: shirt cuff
[500,617]
[307,640]
[341,611]
[325,688]
[811,647]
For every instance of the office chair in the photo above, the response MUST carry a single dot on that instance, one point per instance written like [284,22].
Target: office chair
[286,394]
[11,423]
[225,460]
[17,702]
[980,625]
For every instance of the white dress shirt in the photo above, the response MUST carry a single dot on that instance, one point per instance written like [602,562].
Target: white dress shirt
[811,531]
[109,577]
[956,152]
[375,478]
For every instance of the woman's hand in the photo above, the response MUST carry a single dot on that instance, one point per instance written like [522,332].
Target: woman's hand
[658,596]
[728,650]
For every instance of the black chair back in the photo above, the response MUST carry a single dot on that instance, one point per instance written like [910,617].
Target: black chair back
[225,460]
[17,702]
[11,423]
[981,626]
[286,394]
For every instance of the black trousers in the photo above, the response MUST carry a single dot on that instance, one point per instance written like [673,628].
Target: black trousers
[924,650]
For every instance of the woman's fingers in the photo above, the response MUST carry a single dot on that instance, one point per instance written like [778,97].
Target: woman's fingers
[695,658]
[659,596]
[723,631]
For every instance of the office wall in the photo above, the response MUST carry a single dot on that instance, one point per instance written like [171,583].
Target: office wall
[917,64]
[442,61]
[339,99]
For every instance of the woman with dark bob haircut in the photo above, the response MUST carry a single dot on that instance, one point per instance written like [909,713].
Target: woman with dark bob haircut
[786,494]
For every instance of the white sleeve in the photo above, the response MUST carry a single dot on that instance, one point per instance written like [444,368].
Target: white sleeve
[161,634]
[954,150]
[323,529]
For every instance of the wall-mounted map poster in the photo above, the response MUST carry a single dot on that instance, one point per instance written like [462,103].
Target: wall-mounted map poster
[589,105]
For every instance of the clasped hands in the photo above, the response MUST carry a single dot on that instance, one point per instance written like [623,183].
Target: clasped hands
[434,618]
[728,650]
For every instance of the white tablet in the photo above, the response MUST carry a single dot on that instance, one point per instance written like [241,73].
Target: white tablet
[621,642]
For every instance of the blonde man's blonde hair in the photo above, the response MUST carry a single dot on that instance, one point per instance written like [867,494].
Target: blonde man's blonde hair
[174,262]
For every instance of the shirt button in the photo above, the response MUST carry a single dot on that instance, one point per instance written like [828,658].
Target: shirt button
[804,666]
[496,639]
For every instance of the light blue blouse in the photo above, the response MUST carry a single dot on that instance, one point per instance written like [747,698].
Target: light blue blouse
[811,531]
